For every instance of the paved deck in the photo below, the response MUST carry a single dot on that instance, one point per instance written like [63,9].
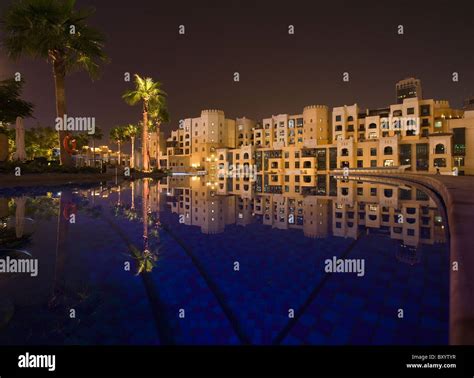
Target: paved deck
[457,193]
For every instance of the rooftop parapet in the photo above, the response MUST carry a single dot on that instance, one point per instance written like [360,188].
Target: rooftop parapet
[214,111]
[324,107]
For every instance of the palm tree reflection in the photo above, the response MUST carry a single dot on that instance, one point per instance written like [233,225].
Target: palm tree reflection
[59,285]
[147,259]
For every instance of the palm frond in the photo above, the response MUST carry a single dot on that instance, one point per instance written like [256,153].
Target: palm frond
[42,29]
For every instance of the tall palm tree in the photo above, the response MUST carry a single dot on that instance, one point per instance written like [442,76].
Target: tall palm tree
[117,135]
[54,30]
[98,135]
[149,93]
[132,131]
[158,115]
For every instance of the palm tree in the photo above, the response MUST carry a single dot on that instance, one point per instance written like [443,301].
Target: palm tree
[149,93]
[55,31]
[132,131]
[98,135]
[11,104]
[158,115]
[117,135]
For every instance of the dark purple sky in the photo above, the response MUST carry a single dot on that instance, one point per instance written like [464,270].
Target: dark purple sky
[279,73]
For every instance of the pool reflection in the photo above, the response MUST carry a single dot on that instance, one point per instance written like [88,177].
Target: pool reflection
[149,262]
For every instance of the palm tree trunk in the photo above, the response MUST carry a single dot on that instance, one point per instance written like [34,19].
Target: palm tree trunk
[119,153]
[157,157]
[59,71]
[146,164]
[93,150]
[132,161]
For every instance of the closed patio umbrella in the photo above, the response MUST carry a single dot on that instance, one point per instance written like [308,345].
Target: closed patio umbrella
[20,153]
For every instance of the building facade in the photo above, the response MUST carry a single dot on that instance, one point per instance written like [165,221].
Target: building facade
[290,150]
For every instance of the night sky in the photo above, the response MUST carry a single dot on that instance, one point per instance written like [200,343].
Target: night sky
[279,73]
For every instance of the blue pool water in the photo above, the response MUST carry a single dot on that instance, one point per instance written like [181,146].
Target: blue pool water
[193,293]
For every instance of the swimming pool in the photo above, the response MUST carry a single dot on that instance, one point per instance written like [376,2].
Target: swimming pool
[181,262]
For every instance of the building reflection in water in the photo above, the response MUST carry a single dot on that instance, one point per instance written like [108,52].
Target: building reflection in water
[335,207]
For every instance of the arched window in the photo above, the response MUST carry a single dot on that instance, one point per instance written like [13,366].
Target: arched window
[221,157]
[372,126]
[350,118]
[246,155]
[440,149]
[388,193]
[344,152]
[388,150]
[307,164]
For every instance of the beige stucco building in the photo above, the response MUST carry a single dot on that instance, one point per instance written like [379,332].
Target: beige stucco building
[422,135]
